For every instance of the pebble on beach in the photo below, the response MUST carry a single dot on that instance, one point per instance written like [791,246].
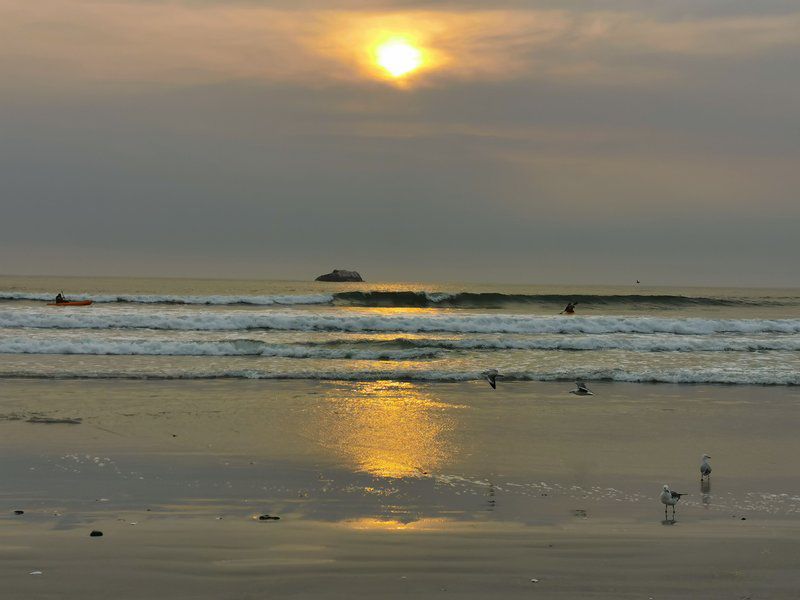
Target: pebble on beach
[268,518]
[96,533]
[19,512]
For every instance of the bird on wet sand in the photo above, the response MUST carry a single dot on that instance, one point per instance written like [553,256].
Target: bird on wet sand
[581,389]
[705,468]
[491,377]
[669,498]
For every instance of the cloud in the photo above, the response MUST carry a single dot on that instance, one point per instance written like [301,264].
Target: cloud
[76,42]
[207,134]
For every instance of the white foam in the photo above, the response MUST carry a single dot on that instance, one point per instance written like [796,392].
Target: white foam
[219,300]
[626,342]
[28,345]
[376,348]
[211,320]
[695,376]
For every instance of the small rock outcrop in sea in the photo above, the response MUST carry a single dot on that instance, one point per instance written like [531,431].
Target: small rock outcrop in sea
[340,275]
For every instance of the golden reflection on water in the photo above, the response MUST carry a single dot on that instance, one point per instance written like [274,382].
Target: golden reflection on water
[387,428]
[369,523]
[389,311]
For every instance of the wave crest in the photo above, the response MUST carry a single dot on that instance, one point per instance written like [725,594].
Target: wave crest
[241,347]
[456,323]
[421,299]
[694,376]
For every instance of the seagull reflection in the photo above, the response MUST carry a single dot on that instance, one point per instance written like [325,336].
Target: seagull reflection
[705,491]
[491,502]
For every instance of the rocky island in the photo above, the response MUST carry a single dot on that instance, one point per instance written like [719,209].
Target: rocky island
[340,275]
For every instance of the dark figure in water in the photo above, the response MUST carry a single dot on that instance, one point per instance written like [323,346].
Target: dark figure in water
[491,377]
[569,309]
[60,298]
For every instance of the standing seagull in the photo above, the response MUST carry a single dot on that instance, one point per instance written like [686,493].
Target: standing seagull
[705,468]
[491,377]
[581,390]
[669,498]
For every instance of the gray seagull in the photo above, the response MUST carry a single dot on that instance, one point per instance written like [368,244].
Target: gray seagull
[705,468]
[669,498]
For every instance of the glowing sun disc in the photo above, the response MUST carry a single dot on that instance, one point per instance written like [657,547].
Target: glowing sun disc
[398,57]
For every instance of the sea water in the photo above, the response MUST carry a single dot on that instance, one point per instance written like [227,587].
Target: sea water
[195,329]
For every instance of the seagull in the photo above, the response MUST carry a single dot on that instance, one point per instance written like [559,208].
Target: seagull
[581,390]
[670,498]
[705,468]
[491,377]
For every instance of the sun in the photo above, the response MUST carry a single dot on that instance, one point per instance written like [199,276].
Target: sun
[398,57]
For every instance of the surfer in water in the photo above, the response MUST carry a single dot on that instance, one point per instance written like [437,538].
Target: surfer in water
[569,309]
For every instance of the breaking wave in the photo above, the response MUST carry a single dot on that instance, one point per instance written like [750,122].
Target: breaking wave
[392,349]
[498,300]
[421,299]
[638,343]
[242,347]
[367,322]
[216,300]
[688,375]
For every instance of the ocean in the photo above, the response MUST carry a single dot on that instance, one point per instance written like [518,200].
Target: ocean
[204,329]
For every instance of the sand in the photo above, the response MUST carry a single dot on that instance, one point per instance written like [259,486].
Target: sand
[388,489]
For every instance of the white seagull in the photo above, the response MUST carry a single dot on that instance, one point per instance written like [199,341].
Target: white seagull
[581,390]
[669,498]
[705,468]
[491,377]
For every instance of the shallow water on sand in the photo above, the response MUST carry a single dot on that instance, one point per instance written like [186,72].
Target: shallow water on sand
[402,449]
[394,488]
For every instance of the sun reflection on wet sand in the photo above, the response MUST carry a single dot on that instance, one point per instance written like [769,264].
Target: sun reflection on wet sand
[387,428]
[372,524]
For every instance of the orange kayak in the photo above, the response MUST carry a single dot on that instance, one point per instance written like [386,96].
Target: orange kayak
[76,303]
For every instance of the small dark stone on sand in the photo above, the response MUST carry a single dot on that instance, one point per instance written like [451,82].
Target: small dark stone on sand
[19,512]
[744,518]
[174,435]
[54,421]
[96,533]
[268,518]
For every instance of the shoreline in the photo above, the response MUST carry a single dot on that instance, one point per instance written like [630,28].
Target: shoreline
[377,377]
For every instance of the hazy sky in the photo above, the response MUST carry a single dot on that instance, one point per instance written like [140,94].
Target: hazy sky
[541,141]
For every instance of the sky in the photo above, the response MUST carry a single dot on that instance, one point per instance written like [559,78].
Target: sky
[538,142]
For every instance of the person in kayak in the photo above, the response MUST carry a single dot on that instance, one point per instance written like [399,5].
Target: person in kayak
[60,298]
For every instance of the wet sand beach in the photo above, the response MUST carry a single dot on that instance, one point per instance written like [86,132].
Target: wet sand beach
[386,489]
